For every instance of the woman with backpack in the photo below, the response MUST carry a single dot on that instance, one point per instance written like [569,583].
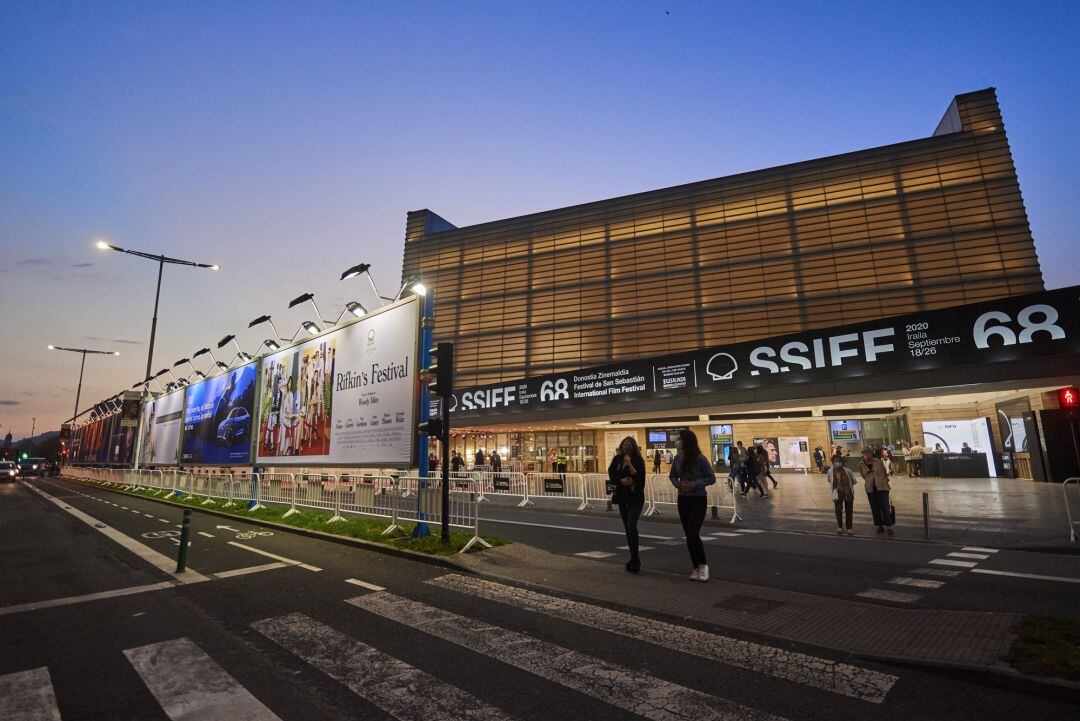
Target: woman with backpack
[691,473]
[627,474]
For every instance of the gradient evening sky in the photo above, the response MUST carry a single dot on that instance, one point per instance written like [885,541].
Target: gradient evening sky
[286,141]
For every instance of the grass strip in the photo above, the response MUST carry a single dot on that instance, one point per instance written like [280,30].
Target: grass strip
[1047,646]
[362,527]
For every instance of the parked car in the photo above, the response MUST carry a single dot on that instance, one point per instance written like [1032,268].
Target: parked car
[31,467]
[236,427]
[8,471]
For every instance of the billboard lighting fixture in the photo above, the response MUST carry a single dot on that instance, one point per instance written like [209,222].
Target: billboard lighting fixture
[352,307]
[412,284]
[225,341]
[272,344]
[310,327]
[266,319]
[306,298]
[364,269]
[221,366]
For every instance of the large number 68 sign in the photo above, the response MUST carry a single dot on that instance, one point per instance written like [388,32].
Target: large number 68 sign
[1048,315]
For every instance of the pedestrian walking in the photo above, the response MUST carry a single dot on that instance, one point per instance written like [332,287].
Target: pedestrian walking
[691,473]
[766,464]
[456,462]
[627,473]
[819,459]
[656,461]
[496,462]
[842,484]
[876,478]
[755,476]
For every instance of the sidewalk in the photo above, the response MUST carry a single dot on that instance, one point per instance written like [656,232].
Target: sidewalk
[953,638]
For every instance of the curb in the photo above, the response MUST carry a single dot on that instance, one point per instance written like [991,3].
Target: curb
[443,561]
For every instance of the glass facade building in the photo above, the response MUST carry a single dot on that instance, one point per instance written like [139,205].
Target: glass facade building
[919,225]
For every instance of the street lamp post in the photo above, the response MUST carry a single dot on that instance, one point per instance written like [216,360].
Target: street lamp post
[82,367]
[161,261]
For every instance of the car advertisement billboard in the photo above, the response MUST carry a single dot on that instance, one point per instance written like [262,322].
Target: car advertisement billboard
[162,421]
[345,397]
[218,415]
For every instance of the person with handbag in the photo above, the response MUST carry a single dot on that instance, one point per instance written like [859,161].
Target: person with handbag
[842,484]
[626,472]
[872,469]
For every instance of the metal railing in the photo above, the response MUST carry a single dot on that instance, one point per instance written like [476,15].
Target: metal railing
[367,495]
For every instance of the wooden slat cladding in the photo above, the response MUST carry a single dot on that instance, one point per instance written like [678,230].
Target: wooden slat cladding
[919,225]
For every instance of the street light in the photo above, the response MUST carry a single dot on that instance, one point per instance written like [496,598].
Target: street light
[161,260]
[363,269]
[82,367]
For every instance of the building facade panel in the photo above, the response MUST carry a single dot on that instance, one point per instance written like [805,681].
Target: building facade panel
[924,224]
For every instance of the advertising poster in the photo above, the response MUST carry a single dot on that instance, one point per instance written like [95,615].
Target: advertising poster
[346,397]
[845,431]
[218,416]
[122,439]
[772,447]
[162,420]
[794,452]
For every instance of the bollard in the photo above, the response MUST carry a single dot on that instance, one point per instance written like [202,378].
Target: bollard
[185,532]
[926,514]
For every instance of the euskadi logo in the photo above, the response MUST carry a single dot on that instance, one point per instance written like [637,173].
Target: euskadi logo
[554,390]
[721,367]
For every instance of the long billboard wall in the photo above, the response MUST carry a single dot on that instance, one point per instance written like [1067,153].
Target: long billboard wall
[162,421]
[218,415]
[1036,326]
[344,397]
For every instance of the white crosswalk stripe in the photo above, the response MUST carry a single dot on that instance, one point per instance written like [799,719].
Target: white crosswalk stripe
[403,691]
[625,688]
[976,556]
[190,685]
[894,596]
[916,582]
[953,562]
[821,673]
[28,696]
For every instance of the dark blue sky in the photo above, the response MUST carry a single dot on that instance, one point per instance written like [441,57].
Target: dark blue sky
[286,141]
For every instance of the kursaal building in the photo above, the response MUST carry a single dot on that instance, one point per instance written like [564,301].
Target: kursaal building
[874,297]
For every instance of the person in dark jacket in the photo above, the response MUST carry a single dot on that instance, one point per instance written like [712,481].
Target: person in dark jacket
[656,461]
[627,474]
[691,473]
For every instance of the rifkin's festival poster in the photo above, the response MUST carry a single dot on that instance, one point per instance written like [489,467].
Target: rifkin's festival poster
[346,397]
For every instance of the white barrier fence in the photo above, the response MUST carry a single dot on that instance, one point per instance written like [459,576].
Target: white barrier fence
[373,496]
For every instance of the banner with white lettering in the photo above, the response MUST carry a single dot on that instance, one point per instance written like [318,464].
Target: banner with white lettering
[1037,325]
[345,397]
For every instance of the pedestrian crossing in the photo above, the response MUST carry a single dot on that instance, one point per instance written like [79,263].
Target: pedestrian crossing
[951,566]
[706,536]
[187,683]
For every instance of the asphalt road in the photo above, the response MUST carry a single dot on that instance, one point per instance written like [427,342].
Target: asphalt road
[96,626]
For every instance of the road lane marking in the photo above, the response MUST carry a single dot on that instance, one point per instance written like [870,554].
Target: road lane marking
[948,562]
[205,534]
[402,691]
[939,572]
[190,685]
[627,548]
[978,549]
[364,584]
[821,673]
[625,688]
[28,696]
[595,554]
[725,533]
[977,556]
[164,520]
[916,582]
[574,528]
[1033,576]
[148,515]
[250,569]
[290,561]
[85,598]
[158,560]
[881,594]
[749,530]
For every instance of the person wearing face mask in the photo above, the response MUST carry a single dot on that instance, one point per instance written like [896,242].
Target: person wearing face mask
[627,474]
[876,477]
[691,473]
[842,484]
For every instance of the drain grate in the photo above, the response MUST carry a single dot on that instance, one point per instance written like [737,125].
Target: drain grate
[750,604]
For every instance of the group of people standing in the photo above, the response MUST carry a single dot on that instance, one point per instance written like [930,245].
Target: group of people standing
[875,475]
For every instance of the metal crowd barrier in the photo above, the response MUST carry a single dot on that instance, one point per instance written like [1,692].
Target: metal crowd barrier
[1068,511]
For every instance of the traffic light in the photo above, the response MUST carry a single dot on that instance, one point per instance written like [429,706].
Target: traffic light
[440,371]
[432,427]
[1068,398]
